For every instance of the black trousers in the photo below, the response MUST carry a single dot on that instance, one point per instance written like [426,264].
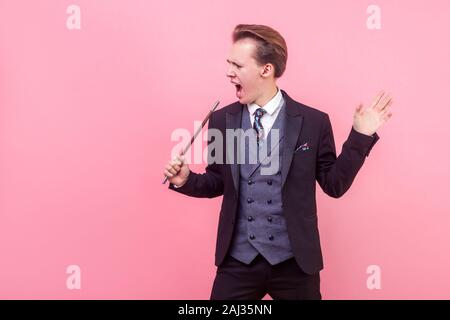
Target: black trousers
[285,281]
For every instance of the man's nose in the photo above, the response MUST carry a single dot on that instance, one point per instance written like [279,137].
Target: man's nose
[230,73]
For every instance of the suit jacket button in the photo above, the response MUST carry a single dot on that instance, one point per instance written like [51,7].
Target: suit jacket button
[269,218]
[269,182]
[250,218]
[269,201]
[271,237]
[252,237]
[250,182]
[249,200]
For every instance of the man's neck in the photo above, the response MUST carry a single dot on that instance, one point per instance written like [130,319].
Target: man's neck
[267,96]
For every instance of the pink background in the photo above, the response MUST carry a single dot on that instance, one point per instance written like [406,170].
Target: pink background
[85,123]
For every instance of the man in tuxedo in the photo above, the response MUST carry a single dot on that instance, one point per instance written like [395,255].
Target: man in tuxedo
[268,239]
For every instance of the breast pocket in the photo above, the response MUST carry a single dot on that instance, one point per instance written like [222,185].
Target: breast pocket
[304,160]
[304,148]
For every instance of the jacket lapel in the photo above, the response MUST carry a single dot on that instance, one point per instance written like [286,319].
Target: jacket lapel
[293,126]
[233,122]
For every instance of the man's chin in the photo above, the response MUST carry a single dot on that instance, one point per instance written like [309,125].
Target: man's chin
[243,101]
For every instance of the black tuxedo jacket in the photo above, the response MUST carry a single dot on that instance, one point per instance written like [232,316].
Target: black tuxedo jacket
[301,167]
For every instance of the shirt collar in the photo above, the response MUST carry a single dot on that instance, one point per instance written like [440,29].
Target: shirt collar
[270,106]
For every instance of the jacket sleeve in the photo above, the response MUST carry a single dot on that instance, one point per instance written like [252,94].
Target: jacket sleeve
[208,184]
[336,175]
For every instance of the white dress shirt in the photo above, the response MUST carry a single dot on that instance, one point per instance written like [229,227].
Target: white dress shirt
[272,107]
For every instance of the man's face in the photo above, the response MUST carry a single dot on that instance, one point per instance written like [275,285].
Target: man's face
[244,72]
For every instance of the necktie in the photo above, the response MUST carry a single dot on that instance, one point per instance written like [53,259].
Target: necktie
[257,125]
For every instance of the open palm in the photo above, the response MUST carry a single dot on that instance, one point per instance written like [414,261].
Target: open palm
[369,120]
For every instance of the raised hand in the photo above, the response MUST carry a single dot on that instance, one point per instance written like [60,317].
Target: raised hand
[368,120]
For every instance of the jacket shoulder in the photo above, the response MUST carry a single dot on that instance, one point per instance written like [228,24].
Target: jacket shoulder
[217,120]
[231,108]
[310,113]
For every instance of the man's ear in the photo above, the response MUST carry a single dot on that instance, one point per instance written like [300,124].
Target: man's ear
[267,70]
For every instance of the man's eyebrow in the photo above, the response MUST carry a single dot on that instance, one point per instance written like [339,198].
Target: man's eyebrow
[235,63]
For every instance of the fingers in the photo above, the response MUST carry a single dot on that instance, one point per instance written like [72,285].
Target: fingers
[173,167]
[383,102]
[180,159]
[359,108]
[386,115]
[377,99]
[168,174]
[170,170]
[386,105]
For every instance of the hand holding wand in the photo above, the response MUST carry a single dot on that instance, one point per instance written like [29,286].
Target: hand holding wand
[186,148]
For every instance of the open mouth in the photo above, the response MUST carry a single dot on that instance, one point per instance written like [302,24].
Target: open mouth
[238,90]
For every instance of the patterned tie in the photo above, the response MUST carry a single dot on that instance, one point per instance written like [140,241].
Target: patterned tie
[257,125]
